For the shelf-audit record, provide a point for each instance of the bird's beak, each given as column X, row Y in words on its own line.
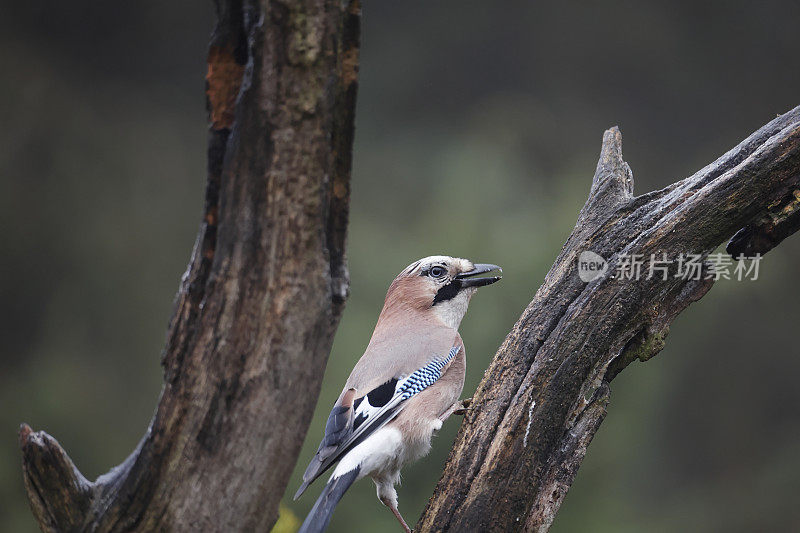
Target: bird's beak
column 468, row 279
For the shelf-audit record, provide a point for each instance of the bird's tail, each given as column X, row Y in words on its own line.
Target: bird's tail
column 317, row 520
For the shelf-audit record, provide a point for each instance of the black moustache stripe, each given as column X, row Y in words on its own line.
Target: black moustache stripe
column 447, row 292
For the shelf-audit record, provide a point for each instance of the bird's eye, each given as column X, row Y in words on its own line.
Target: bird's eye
column 437, row 272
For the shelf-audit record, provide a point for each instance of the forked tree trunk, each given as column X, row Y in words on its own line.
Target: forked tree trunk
column 545, row 393
column 257, row 308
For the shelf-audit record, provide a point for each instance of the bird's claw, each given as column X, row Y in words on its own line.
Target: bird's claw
column 464, row 409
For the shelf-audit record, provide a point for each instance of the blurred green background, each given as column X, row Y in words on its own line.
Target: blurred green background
column 478, row 130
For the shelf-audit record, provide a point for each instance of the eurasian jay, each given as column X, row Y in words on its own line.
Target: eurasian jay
column 404, row 386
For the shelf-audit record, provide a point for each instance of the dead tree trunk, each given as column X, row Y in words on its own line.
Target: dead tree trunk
column 256, row 311
column 545, row 393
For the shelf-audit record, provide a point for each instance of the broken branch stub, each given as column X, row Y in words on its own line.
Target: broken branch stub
column 545, row 393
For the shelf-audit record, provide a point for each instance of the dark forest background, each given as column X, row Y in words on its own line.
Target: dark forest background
column 478, row 130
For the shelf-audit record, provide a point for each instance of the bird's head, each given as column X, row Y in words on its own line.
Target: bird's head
column 441, row 285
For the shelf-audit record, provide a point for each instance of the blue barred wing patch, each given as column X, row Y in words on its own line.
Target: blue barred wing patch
column 424, row 377
column 349, row 426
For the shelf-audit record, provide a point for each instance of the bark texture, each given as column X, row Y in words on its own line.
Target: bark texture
column 257, row 308
column 545, row 393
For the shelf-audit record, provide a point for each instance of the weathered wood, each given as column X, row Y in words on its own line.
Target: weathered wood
column 256, row 311
column 545, row 393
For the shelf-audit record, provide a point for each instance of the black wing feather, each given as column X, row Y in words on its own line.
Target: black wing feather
column 337, row 427
column 380, row 396
column 349, row 426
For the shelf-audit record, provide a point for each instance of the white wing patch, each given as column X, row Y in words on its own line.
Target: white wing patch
column 373, row 411
column 369, row 418
column 376, row 401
